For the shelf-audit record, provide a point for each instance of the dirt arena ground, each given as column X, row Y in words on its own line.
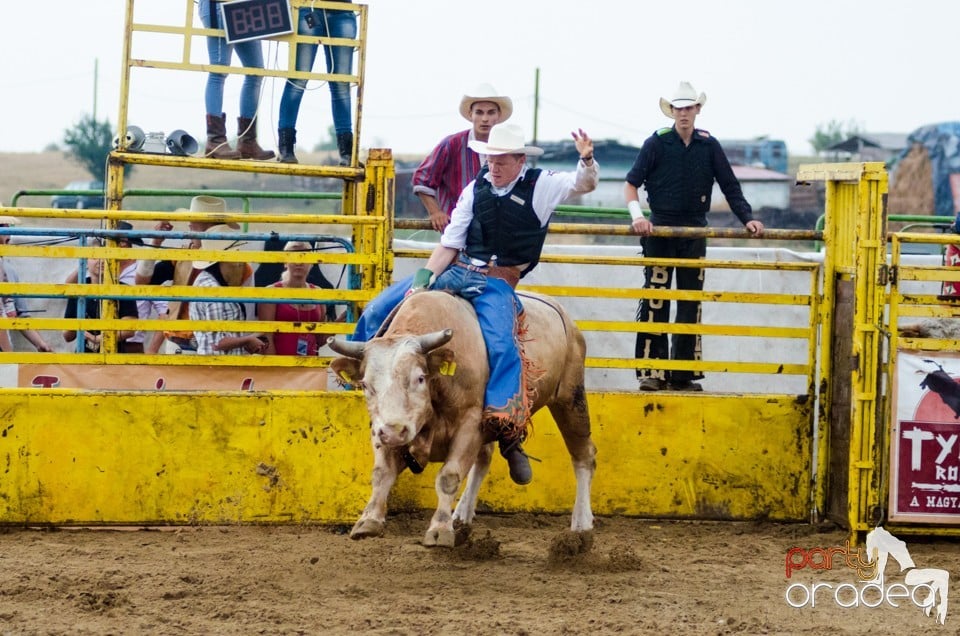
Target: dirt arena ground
column 514, row 576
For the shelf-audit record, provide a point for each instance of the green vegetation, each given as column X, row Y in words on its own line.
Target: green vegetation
column 833, row 132
column 89, row 142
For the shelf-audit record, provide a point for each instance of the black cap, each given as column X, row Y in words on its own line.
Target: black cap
column 123, row 225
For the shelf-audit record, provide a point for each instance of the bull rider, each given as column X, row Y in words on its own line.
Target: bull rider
column 495, row 236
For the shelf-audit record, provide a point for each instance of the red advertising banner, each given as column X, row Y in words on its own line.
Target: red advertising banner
column 925, row 439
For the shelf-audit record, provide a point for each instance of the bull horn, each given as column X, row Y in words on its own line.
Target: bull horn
column 347, row 348
column 430, row 341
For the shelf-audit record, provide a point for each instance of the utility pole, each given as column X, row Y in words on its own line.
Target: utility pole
column 536, row 102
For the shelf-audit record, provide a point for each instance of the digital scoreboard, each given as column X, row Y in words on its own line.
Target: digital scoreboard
column 255, row 19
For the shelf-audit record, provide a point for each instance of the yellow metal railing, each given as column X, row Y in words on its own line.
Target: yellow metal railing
column 852, row 346
column 806, row 330
column 327, row 229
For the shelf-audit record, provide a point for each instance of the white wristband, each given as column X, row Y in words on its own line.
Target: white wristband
column 634, row 208
column 145, row 268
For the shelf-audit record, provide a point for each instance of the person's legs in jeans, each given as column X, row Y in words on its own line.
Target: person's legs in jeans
column 220, row 54
column 497, row 308
column 506, row 409
column 688, row 346
column 293, row 89
column 340, row 24
column 251, row 56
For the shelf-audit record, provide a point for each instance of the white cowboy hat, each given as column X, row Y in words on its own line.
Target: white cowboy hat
column 212, row 205
column 219, row 245
column 505, row 139
column 684, row 96
column 9, row 220
column 486, row 93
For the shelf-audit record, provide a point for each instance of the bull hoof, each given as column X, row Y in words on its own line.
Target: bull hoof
column 440, row 537
column 461, row 532
column 365, row 528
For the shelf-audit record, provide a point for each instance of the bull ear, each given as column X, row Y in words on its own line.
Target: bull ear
column 442, row 362
column 347, row 348
column 430, row 341
column 347, row 370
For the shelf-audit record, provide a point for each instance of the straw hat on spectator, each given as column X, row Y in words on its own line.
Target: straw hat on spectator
column 211, row 205
column 218, row 245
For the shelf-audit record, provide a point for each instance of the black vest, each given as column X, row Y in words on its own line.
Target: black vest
column 682, row 180
column 506, row 227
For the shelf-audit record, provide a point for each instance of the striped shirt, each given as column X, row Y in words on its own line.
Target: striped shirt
column 214, row 310
column 448, row 169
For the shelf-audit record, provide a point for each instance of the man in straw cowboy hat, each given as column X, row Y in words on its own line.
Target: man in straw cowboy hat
column 15, row 306
column 452, row 164
column 677, row 167
column 494, row 238
column 214, row 273
column 160, row 272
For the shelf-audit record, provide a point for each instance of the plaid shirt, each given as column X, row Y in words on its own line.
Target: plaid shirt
column 212, row 310
column 447, row 170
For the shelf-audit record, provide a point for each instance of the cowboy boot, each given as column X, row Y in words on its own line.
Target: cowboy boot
column 285, row 143
column 345, row 147
column 247, row 144
column 520, row 471
column 217, row 146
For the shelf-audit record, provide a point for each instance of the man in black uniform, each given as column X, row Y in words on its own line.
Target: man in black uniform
column 677, row 167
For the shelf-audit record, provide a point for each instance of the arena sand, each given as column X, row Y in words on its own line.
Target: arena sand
column 517, row 574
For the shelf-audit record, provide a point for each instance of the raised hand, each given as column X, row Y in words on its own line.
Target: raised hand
column 583, row 142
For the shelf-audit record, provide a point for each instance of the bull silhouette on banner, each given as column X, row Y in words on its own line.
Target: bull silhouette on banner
column 942, row 384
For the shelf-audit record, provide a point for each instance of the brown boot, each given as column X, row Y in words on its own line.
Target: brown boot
column 217, row 146
column 247, row 144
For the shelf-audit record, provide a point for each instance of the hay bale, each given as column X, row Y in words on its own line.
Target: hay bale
column 911, row 185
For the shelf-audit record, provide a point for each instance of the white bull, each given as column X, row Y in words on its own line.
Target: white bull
column 424, row 382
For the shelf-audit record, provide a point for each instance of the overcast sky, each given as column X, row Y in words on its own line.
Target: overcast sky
column 768, row 68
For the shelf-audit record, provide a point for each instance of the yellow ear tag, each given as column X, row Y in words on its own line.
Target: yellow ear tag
column 448, row 368
column 345, row 376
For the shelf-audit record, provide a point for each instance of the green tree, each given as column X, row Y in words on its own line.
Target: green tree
column 833, row 132
column 89, row 142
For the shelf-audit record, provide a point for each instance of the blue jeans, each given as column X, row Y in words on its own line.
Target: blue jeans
column 456, row 280
column 221, row 53
column 335, row 24
column 379, row 308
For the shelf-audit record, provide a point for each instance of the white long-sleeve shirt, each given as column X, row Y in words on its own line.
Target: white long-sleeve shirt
column 552, row 189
